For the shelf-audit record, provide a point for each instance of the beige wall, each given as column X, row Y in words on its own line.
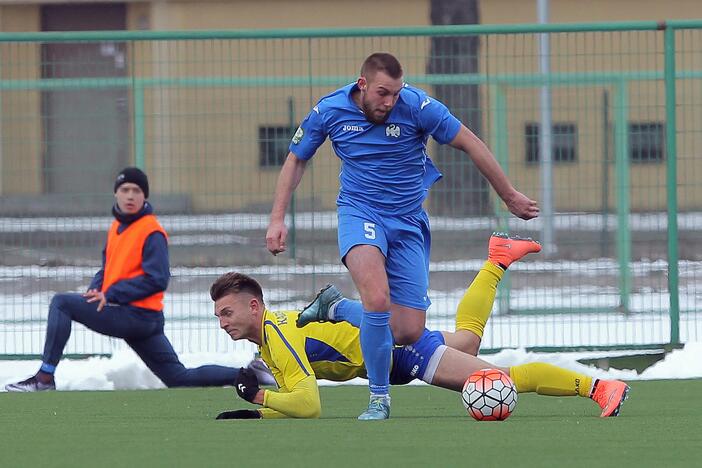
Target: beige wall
column 223, row 153
column 579, row 186
column 20, row 134
column 574, row 11
column 202, row 141
column 277, row 14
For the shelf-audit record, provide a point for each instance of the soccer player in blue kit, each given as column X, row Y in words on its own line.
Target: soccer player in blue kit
column 379, row 127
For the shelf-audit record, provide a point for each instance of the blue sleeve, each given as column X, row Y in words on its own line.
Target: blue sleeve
column 437, row 121
column 156, row 275
column 309, row 136
column 96, row 283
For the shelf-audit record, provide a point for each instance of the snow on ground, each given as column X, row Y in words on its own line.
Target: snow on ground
column 124, row 370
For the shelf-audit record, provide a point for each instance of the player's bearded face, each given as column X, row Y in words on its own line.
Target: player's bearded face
column 379, row 95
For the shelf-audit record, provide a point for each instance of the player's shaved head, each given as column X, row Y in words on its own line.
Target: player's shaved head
column 235, row 283
column 381, row 62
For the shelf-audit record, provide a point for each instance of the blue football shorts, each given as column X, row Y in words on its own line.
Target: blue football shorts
column 419, row 360
column 405, row 241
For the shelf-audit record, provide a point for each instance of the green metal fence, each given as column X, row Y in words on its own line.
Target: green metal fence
column 209, row 115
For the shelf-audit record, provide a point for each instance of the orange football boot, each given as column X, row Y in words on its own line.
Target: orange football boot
column 610, row 395
column 504, row 249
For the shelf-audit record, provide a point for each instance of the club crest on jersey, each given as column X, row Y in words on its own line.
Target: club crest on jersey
column 297, row 137
column 392, row 130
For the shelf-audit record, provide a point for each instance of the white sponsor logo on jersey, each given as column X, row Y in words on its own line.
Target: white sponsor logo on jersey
column 352, row 128
column 424, row 104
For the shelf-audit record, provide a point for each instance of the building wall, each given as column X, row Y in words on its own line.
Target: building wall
column 636, row 51
column 203, row 140
column 576, row 11
column 20, row 135
column 229, row 166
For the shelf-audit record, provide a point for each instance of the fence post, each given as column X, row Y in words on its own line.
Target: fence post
column 293, row 209
column 500, row 150
column 622, row 167
column 671, row 182
column 139, row 130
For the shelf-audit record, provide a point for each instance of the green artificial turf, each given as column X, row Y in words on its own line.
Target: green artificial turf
column 660, row 425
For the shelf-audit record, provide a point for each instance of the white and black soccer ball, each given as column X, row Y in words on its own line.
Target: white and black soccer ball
column 489, row 395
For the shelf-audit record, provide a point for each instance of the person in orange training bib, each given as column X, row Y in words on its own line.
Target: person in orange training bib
column 125, row 298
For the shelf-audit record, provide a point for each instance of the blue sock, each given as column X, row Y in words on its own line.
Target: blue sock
column 47, row 368
column 349, row 311
column 376, row 345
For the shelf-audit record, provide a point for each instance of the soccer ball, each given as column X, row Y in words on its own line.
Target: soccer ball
column 489, row 395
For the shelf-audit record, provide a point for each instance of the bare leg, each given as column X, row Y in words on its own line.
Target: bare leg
column 455, row 367
column 463, row 340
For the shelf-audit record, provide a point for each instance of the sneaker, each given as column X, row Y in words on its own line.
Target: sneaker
column 262, row 372
column 318, row 310
column 32, row 384
column 378, row 408
column 504, row 249
column 610, row 395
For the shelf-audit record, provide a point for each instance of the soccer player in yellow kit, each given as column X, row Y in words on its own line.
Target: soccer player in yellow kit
column 298, row 352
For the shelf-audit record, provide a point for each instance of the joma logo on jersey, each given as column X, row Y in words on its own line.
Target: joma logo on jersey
column 392, row 130
column 352, row 128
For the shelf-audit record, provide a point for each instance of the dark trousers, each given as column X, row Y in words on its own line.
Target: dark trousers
column 141, row 329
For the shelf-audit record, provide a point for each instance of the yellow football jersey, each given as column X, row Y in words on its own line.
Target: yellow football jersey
column 330, row 351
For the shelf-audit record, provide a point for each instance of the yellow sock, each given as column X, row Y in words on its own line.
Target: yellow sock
column 475, row 306
column 547, row 379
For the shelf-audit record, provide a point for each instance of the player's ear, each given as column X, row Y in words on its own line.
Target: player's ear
column 362, row 83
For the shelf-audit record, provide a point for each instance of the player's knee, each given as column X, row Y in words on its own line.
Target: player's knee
column 472, row 348
column 60, row 301
column 407, row 336
column 466, row 341
column 376, row 301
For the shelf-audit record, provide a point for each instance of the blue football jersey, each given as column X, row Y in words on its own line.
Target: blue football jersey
column 384, row 167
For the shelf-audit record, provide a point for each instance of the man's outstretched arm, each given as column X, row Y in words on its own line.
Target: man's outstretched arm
column 519, row 204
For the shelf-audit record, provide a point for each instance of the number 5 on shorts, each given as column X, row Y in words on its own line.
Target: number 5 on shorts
column 369, row 228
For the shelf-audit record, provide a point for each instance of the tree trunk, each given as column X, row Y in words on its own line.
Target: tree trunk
column 463, row 191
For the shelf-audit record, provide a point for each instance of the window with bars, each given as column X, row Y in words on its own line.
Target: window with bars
column 273, row 143
column 646, row 142
column 564, row 142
